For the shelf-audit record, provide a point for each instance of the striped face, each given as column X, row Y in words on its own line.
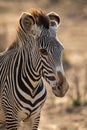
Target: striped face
column 50, row 50
column 46, row 51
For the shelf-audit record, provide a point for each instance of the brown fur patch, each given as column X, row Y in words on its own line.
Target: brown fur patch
column 40, row 17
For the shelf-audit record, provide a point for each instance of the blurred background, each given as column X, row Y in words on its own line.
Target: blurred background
column 69, row 112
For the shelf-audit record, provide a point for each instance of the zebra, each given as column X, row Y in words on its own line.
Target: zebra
column 35, row 54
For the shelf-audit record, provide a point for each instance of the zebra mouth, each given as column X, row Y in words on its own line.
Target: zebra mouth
column 60, row 94
column 57, row 92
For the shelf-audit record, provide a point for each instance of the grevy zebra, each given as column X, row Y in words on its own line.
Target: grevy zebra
column 35, row 53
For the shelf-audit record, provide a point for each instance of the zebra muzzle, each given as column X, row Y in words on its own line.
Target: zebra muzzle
column 61, row 86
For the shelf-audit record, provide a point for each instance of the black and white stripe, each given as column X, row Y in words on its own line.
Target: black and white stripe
column 21, row 69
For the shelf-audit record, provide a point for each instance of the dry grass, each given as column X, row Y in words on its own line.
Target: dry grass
column 65, row 113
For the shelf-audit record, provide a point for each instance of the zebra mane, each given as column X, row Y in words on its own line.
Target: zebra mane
column 13, row 45
column 40, row 17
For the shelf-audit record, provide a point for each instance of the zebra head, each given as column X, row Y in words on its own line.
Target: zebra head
column 46, row 50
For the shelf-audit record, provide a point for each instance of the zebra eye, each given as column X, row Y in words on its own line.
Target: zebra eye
column 44, row 51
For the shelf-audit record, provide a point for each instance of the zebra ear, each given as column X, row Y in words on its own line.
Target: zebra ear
column 54, row 19
column 26, row 21
column 54, row 22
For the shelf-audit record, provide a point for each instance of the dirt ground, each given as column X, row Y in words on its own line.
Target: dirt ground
column 69, row 112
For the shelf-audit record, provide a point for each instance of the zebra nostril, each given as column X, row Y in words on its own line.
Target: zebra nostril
column 59, row 87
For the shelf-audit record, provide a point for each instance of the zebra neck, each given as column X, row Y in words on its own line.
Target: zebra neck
column 28, row 73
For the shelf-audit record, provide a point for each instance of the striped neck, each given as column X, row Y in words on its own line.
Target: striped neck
column 33, row 78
